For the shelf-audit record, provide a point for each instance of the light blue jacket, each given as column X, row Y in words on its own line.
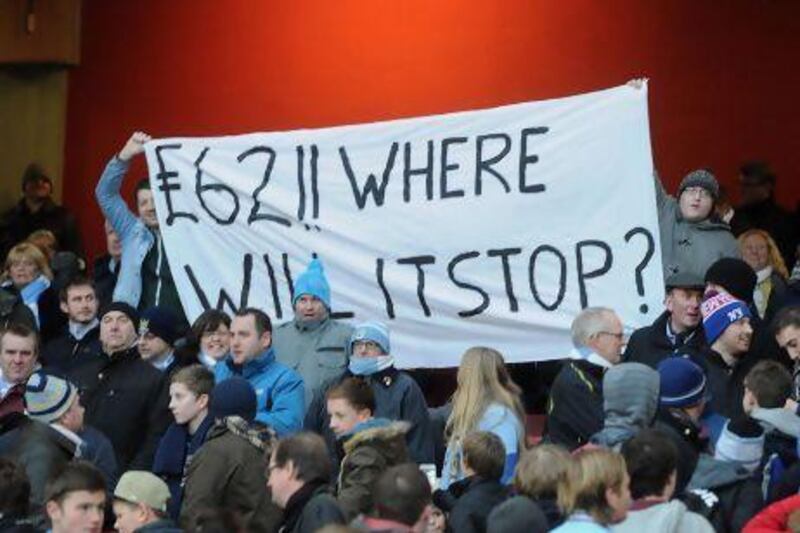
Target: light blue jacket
column 279, row 390
column 135, row 238
column 501, row 421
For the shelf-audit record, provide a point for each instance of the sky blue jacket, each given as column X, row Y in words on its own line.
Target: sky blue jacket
column 279, row 390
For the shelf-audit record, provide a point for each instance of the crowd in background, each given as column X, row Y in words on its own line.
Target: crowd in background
column 117, row 414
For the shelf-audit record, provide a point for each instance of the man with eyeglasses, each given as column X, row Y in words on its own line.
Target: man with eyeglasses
column 692, row 236
column 397, row 395
column 575, row 409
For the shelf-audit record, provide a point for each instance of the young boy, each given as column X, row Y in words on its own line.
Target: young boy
column 368, row 445
column 76, row 499
column 766, row 388
column 470, row 500
column 189, row 393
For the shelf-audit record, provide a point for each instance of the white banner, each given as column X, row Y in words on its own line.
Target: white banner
column 492, row 227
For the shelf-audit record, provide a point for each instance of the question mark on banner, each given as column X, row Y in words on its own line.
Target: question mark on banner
column 651, row 245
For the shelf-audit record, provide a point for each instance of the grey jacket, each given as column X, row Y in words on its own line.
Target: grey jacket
column 630, row 401
column 667, row 517
column 318, row 353
column 690, row 246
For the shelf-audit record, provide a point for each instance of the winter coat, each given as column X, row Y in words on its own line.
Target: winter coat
column 39, row 449
column 64, row 353
column 651, row 345
column 279, row 390
column 501, row 421
column 173, row 456
column 126, row 399
column 311, row 508
column 160, row 526
column 98, row 450
column 725, row 383
column 19, row 222
column 688, row 440
column 468, row 503
column 49, row 320
column 663, row 517
column 630, row 401
column 775, row 518
column 690, row 246
column 13, row 401
column 14, row 310
column 397, row 397
column 228, row 471
column 368, row 450
column 575, row 407
column 319, row 353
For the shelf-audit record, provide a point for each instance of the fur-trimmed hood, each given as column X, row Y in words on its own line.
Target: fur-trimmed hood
column 378, row 432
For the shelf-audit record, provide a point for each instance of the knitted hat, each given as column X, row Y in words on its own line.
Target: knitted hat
column 139, row 486
column 719, row 312
column 48, row 397
column 683, row 382
column 123, row 308
column 684, row 280
column 161, row 322
column 733, row 275
column 742, row 442
column 374, row 331
column 700, row 178
column 313, row 282
column 233, row 397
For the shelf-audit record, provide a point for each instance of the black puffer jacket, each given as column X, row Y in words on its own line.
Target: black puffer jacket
column 575, row 409
column 650, row 344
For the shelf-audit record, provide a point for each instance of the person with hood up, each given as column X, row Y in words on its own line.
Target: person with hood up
column 630, row 401
column 228, row 470
column 313, row 344
column 397, row 395
column 692, row 237
column 651, row 461
column 367, row 445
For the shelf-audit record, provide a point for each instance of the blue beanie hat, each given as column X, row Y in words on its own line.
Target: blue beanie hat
column 233, row 397
column 374, row 331
column 720, row 311
column 313, row 282
column 683, row 382
column 161, row 322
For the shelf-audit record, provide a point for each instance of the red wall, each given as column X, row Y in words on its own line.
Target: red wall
column 724, row 75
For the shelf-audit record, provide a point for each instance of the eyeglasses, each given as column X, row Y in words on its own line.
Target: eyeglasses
column 618, row 336
column 366, row 345
column 699, row 191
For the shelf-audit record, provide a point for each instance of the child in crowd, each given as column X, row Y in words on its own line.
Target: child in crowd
column 189, row 393
column 485, row 400
column 470, row 500
column 596, row 494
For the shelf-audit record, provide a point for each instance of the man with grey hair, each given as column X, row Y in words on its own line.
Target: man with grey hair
column 575, row 409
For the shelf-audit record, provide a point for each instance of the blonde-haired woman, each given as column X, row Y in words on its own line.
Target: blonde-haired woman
column 27, row 295
column 597, row 492
column 485, row 400
column 762, row 254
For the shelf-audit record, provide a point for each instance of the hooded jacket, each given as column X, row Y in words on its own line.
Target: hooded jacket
column 665, row 517
column 630, row 401
column 690, row 246
column 318, row 352
column 368, row 450
column 279, row 390
column 229, row 472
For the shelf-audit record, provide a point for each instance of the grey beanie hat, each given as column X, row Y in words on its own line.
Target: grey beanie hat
column 700, row 178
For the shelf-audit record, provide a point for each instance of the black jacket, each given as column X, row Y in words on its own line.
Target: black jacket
column 688, row 440
column 65, row 353
column 126, row 399
column 50, row 318
column 19, row 222
column 726, row 383
column 311, row 508
column 575, row 409
column 469, row 502
column 650, row 344
column 105, row 279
